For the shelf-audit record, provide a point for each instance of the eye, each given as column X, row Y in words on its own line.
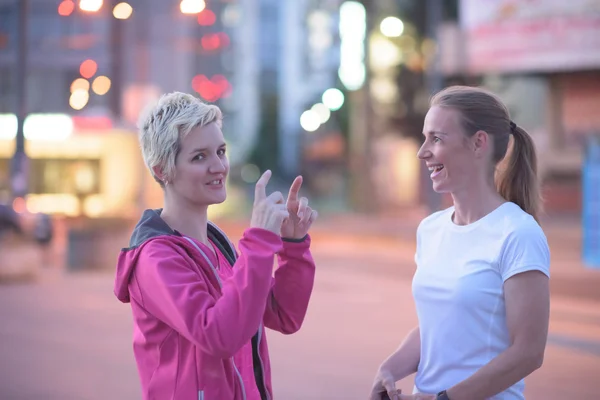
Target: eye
column 198, row 157
column 436, row 139
column 221, row 152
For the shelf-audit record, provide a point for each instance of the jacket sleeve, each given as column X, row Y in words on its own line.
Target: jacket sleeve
column 177, row 294
column 292, row 287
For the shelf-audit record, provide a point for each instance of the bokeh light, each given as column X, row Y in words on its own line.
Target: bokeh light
column 310, row 121
column 333, row 98
column 79, row 99
column 322, row 111
column 80, row 83
column 391, row 27
column 122, row 11
column 192, row 6
column 88, row 68
column 207, row 18
column 101, row 85
column 250, row 173
column 90, row 5
column 66, row 8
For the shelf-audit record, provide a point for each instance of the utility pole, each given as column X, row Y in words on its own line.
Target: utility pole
column 116, row 64
column 362, row 130
column 435, row 83
column 19, row 176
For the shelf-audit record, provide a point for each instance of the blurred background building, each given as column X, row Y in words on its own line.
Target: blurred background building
column 336, row 90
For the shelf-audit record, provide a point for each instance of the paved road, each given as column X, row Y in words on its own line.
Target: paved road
column 67, row 338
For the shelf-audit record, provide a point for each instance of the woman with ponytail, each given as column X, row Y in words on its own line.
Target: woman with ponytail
column 481, row 286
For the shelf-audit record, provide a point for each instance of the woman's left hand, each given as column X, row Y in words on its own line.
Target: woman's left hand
column 301, row 217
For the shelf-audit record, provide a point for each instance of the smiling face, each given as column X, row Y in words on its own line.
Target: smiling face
column 453, row 158
column 201, row 167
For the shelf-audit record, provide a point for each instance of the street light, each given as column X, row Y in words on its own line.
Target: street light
column 322, row 111
column 19, row 169
column 80, row 83
column 79, row 98
column 192, row 6
column 88, row 68
column 310, row 121
column 122, row 11
column 66, row 8
column 90, row 5
column 391, row 27
column 333, row 98
column 101, row 85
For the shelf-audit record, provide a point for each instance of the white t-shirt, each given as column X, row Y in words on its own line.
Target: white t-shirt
column 459, row 292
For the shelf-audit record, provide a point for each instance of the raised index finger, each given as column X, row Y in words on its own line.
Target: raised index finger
column 295, row 189
column 260, row 191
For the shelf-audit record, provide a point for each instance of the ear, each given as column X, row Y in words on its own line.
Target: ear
column 480, row 142
column 158, row 172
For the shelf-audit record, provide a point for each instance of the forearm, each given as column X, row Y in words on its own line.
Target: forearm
column 405, row 360
column 292, row 288
column 498, row 375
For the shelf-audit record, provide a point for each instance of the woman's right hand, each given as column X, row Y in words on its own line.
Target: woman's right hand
column 268, row 211
column 384, row 383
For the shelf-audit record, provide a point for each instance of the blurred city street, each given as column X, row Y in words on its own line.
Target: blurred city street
column 66, row 337
column 336, row 91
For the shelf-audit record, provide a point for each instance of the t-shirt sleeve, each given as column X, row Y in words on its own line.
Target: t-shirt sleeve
column 525, row 249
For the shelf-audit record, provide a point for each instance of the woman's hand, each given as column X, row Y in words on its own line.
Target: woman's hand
column 301, row 216
column 268, row 212
column 384, row 383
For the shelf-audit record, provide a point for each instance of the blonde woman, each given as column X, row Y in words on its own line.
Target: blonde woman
column 481, row 286
column 200, row 307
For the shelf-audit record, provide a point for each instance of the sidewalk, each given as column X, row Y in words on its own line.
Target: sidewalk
column 569, row 276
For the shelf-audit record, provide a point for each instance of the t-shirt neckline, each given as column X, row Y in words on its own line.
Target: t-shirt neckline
column 475, row 224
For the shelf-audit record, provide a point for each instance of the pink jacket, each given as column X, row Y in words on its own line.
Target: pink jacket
column 188, row 325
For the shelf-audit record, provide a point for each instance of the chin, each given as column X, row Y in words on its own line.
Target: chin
column 441, row 189
column 220, row 199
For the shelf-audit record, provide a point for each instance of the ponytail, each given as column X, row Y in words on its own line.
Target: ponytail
column 519, row 182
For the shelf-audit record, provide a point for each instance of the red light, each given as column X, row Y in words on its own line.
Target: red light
column 224, row 39
column 81, row 123
column 66, row 7
column 211, row 89
column 206, row 17
column 88, row 68
column 223, row 85
column 19, row 205
column 197, row 82
column 211, row 41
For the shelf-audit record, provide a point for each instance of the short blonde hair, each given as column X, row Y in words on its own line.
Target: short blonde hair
column 164, row 125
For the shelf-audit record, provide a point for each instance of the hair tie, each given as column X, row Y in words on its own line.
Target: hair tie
column 513, row 127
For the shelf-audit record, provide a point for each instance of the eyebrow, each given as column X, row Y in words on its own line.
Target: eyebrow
column 205, row 149
column 435, row 133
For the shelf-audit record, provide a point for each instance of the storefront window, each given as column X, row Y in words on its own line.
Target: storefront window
column 55, row 176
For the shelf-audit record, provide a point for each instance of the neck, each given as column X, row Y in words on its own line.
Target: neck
column 186, row 218
column 475, row 202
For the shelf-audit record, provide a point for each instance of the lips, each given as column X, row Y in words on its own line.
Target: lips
column 215, row 182
column 435, row 170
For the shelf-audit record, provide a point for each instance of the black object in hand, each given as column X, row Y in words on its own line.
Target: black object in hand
column 385, row 396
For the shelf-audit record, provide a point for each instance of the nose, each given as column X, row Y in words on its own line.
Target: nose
column 218, row 166
column 424, row 153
